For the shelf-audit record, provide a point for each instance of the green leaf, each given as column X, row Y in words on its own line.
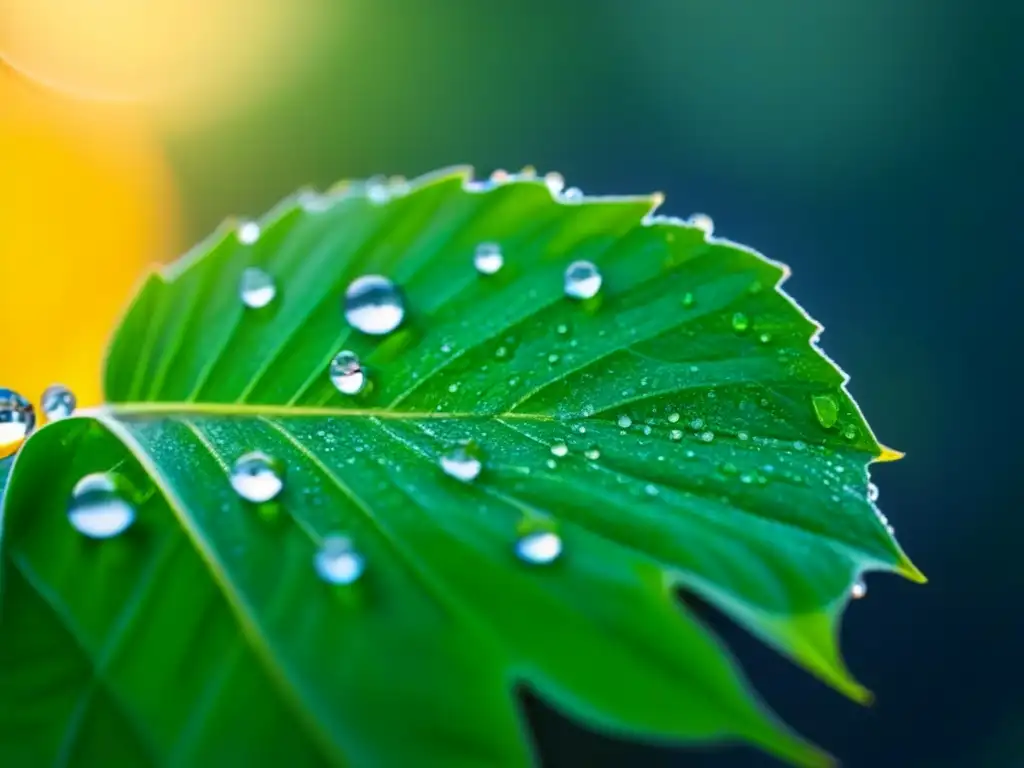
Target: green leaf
column 668, row 431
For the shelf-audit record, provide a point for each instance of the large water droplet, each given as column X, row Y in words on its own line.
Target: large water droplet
column 338, row 562
column 560, row 449
column 17, row 417
column 582, row 280
column 257, row 477
column 624, row 422
column 539, row 548
column 462, row 462
column 859, row 589
column 593, row 453
column 100, row 507
column 825, row 409
column 488, row 258
column 256, row 288
column 373, row 304
column 58, row 402
column 702, row 222
column 347, row 373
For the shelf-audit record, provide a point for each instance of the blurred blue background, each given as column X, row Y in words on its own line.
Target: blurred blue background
column 873, row 145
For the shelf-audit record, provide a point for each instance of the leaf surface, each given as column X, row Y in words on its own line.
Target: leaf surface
column 679, row 430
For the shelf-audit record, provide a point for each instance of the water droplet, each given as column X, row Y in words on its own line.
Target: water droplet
column 337, row 561
column 688, row 299
column 858, row 590
column 562, row 329
column 58, row 402
column 625, row 422
column 872, row 492
column 651, row 489
column 347, row 373
column 673, row 417
column 462, row 462
column 740, row 322
column 539, row 548
column 765, row 338
column 728, row 468
column 17, row 417
column 248, row 232
column 501, row 353
column 488, row 259
column 559, row 449
column 826, row 409
column 374, row 305
column 707, row 436
column 500, row 176
column 256, row 288
column 850, row 432
column 582, row 280
column 553, row 358
column 675, row 435
column 555, row 182
column 702, row 222
column 697, row 424
column 572, row 195
column 257, row 477
column 453, row 387
column 800, row 445
column 743, row 436
column 593, row 453
column 100, row 506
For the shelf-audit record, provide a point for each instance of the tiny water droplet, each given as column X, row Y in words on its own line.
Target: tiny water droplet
column 256, row 288
column 688, row 299
column 850, row 432
column 800, row 445
column 462, row 462
column 740, row 322
column 553, row 358
column 555, row 182
column 858, row 590
column 765, row 338
column 337, row 561
column 707, row 436
column 539, row 548
column 488, row 258
column 826, row 409
column 697, row 424
column 572, row 195
column 256, row 477
column 17, row 418
column 58, row 402
column 673, row 417
column 453, row 387
column 651, row 489
column 728, row 468
column 872, row 492
column 675, row 435
column 501, row 353
column 500, row 176
column 582, row 280
column 559, row 449
column 248, row 232
column 593, row 453
column 347, row 373
column 625, row 422
column 374, row 305
column 100, row 506
column 702, row 222
column 562, row 329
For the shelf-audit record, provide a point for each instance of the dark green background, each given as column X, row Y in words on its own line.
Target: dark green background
column 873, row 145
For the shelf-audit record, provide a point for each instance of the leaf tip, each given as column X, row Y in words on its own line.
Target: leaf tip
column 888, row 454
column 909, row 571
